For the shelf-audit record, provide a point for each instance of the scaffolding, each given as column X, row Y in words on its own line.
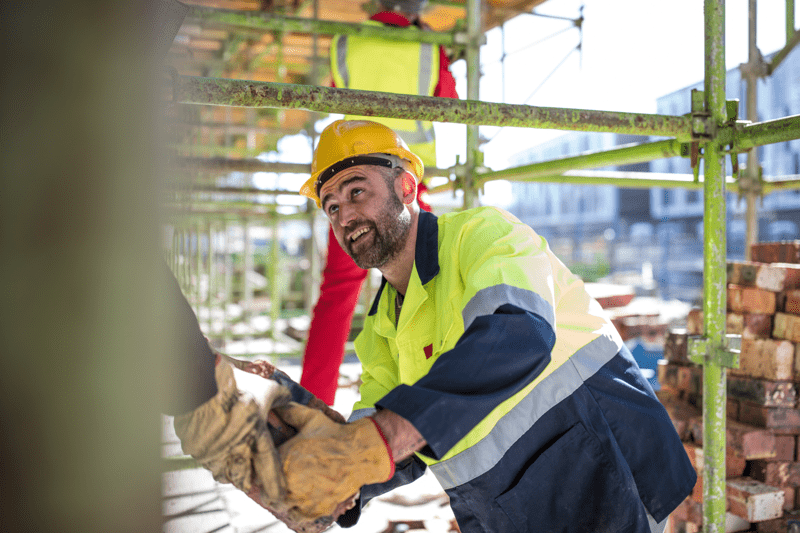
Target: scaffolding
column 712, row 132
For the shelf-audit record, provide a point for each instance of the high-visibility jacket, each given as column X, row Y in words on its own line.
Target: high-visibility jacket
column 535, row 414
column 373, row 64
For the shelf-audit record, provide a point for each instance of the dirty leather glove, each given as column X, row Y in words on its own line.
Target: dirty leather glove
column 326, row 463
column 229, row 435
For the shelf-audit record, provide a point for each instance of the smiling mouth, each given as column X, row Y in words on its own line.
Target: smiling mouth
column 358, row 233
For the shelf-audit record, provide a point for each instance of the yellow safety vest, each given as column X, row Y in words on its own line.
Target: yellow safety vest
column 485, row 255
column 371, row 64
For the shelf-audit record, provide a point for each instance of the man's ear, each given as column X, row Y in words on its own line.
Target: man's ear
column 408, row 184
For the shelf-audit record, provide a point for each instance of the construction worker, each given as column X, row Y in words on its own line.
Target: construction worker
column 483, row 358
column 360, row 63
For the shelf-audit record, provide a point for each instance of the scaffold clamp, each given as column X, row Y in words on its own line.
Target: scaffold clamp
column 728, row 355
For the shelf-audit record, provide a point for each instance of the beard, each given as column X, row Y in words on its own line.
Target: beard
column 389, row 235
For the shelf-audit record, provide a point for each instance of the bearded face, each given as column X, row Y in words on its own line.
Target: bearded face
column 373, row 243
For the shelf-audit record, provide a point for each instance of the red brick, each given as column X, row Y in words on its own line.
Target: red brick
column 667, row 375
column 750, row 300
column 675, row 346
column 774, row 277
column 690, row 379
column 732, row 409
column 775, row 473
column 694, row 322
column 784, row 447
column 776, row 252
column 778, row 525
column 791, row 302
column 763, row 392
column 769, row 417
column 754, row 501
column 689, row 511
column 743, row 440
column 680, row 412
column 789, row 496
column 749, row 325
column 787, row 327
column 766, row 359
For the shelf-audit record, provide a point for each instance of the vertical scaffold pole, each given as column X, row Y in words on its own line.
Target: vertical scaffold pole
column 714, row 276
column 274, row 272
column 789, row 19
column 473, row 93
column 752, row 172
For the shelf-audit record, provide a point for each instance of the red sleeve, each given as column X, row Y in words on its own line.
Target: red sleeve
column 446, row 87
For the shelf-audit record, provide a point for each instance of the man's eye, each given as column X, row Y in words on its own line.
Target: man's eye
column 333, row 209
column 357, row 191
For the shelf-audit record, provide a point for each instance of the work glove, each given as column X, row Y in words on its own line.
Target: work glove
column 229, row 434
column 327, row 463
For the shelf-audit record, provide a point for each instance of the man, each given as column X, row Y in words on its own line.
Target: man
column 359, row 63
column 484, row 358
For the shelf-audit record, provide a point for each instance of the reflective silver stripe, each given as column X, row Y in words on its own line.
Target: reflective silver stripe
column 566, row 379
column 361, row 413
column 341, row 60
column 425, row 68
column 486, row 301
column 656, row 527
column 420, row 136
column 423, row 135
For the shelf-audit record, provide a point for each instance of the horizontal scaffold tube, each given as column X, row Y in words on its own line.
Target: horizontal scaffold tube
column 625, row 155
column 243, row 93
column 224, row 164
column 761, row 133
column 266, row 22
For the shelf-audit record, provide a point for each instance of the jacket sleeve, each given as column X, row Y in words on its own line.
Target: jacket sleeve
column 446, row 86
column 508, row 311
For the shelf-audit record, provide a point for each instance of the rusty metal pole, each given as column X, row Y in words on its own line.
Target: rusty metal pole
column 714, row 276
column 473, row 59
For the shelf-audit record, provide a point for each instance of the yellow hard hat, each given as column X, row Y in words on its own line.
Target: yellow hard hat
column 347, row 143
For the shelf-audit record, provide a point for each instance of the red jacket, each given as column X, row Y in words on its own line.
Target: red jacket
column 342, row 278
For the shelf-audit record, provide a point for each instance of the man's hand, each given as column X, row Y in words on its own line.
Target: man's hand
column 327, row 463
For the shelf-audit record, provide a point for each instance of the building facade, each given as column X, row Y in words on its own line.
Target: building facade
column 660, row 230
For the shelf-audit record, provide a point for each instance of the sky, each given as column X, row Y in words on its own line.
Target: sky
column 633, row 51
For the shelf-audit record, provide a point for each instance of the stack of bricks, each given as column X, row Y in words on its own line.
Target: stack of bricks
column 763, row 413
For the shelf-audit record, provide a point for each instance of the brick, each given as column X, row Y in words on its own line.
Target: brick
column 769, row 417
column 749, row 325
column 748, row 441
column 742, row 440
column 784, row 448
column 680, row 412
column 763, row 392
column 750, row 300
column 694, row 322
column 675, row 346
column 789, row 497
column 690, row 379
column 735, row 465
column 775, row 473
column 787, row 327
column 667, row 375
column 766, row 359
column 689, row 511
column 774, row 277
column 791, row 302
column 732, row 409
column 779, row 525
column 776, row 252
column 754, row 501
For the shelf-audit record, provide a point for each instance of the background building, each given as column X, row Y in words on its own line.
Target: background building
column 642, row 235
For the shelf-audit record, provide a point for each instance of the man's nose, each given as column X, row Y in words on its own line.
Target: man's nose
column 347, row 214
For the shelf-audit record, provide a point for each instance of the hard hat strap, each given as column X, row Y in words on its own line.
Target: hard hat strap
column 382, row 160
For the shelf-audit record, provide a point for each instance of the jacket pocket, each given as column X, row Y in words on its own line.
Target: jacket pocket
column 572, row 486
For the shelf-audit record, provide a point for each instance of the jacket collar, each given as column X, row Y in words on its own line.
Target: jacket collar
column 426, row 253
